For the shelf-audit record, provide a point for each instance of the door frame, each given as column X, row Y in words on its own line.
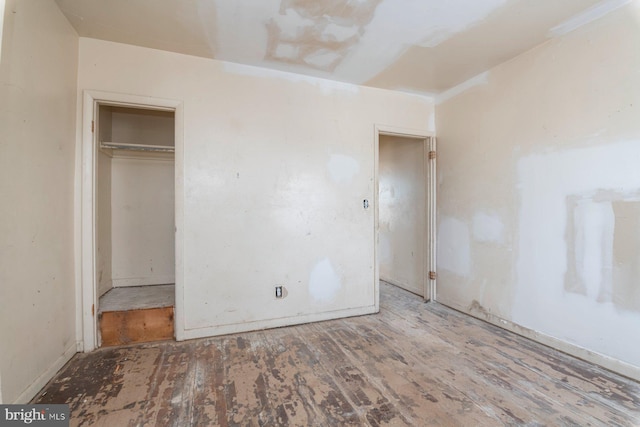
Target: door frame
column 86, row 257
column 429, row 179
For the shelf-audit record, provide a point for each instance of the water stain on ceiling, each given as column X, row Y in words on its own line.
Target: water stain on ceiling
column 420, row 46
column 317, row 34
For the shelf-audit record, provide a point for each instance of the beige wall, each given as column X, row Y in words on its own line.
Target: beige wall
column 142, row 218
column 276, row 167
column 37, row 150
column 402, row 215
column 539, row 188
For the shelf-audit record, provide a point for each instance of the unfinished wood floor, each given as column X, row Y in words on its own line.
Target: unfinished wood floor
column 413, row 364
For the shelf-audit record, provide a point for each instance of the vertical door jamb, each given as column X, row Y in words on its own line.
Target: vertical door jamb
column 431, row 187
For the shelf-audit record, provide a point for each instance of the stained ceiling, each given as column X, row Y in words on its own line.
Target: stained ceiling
column 419, row 46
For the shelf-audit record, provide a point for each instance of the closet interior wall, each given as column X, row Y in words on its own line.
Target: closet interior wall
column 135, row 212
column 402, row 212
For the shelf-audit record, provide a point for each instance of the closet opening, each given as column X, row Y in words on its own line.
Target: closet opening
column 405, row 210
column 402, row 214
column 135, row 224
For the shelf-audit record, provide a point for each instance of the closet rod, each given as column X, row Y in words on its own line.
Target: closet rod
column 137, row 147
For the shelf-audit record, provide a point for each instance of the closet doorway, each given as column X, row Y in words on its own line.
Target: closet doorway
column 405, row 210
column 136, row 222
column 129, row 241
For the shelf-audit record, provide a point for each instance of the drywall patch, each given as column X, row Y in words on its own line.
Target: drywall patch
column 546, row 181
column 454, row 247
column 322, row 58
column 324, row 282
column 343, row 168
column 322, row 32
column 589, row 232
column 488, row 228
column 603, row 253
column 626, row 255
column 356, row 32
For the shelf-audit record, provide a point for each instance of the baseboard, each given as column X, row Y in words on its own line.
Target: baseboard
column 143, row 281
column 402, row 285
column 103, row 288
column 602, row 360
column 188, row 334
column 42, row 380
column 392, row 281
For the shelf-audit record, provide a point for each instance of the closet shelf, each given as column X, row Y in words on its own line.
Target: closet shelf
column 136, row 147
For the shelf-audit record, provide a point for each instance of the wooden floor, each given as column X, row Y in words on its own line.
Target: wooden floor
column 413, row 364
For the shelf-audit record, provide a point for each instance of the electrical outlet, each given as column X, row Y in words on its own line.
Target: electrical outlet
column 279, row 292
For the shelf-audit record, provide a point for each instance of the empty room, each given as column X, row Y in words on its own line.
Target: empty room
column 320, row 213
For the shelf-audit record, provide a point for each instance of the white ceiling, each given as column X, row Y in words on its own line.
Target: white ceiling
column 421, row 46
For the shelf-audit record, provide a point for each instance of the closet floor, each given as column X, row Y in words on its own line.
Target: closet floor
column 136, row 315
column 137, row 298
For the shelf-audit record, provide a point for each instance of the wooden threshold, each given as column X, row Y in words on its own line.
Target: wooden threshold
column 136, row 326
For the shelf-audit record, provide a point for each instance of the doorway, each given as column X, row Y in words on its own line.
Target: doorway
column 131, row 213
column 135, row 216
column 405, row 220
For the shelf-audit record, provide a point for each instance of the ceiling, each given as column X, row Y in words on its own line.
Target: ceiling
column 419, row 46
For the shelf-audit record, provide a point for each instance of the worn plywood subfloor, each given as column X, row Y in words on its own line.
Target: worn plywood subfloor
column 137, row 298
column 413, row 364
column 136, row 326
column 136, row 314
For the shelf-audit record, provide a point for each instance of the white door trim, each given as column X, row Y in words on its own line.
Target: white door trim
column 86, row 257
column 429, row 286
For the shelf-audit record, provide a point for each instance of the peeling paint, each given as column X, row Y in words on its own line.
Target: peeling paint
column 324, row 282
